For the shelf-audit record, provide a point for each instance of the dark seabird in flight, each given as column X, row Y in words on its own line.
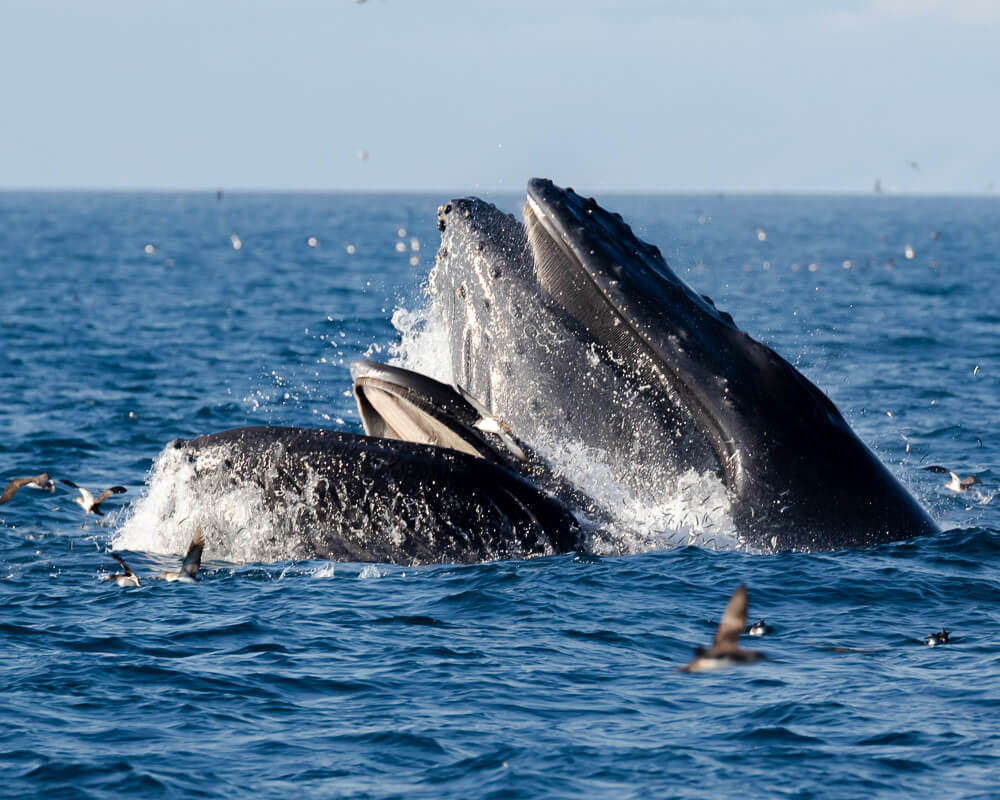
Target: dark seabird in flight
column 86, row 500
column 725, row 650
column 123, row 579
column 192, row 561
column 956, row 484
column 42, row 481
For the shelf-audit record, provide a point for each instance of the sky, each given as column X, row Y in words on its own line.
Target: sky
column 458, row 95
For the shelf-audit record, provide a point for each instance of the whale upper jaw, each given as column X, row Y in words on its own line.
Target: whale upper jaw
column 621, row 289
column 798, row 476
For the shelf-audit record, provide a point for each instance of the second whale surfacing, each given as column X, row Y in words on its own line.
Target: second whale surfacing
column 340, row 496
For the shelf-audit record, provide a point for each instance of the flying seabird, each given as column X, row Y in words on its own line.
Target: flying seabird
column 123, row 579
column 725, row 650
column 956, row 484
column 86, row 500
column 42, row 481
column 192, row 561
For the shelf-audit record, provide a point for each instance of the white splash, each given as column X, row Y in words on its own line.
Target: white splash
column 694, row 510
column 325, row 571
column 424, row 344
column 369, row 571
column 235, row 522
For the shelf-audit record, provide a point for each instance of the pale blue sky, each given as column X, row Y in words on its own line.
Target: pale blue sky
column 450, row 95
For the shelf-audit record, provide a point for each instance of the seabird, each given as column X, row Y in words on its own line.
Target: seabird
column 42, row 481
column 192, row 561
column 956, row 484
column 123, row 579
column 937, row 638
column 759, row 628
column 86, row 500
column 725, row 650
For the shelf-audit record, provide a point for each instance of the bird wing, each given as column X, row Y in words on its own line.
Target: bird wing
column 192, row 561
column 936, row 468
column 107, row 493
column 734, row 621
column 11, row 489
column 124, row 566
column 68, row 482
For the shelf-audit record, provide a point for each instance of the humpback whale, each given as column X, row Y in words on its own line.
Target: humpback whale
column 577, row 311
column 567, row 327
column 348, row 497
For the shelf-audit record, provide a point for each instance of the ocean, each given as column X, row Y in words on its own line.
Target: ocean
column 131, row 319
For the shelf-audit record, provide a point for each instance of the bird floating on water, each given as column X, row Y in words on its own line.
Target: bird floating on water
column 123, row 579
column 188, row 572
column 759, row 628
column 934, row 639
column 43, row 482
column 88, row 502
column 725, row 651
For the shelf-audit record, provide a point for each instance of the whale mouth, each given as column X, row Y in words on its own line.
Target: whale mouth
column 397, row 403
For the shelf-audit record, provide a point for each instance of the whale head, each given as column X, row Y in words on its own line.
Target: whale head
column 797, row 475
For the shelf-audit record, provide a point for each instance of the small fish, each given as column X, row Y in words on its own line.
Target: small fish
column 759, row 628
column 88, row 502
column 725, row 650
column 934, row 639
column 42, row 481
column 123, row 579
column 192, row 561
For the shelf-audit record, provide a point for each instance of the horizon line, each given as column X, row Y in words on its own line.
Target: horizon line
column 455, row 192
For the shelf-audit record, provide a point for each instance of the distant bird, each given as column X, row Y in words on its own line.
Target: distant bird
column 86, row 500
column 935, row 639
column 956, row 484
column 42, row 481
column 123, row 579
column 759, row 628
column 192, row 561
column 725, row 650
column 878, row 186
column 913, row 165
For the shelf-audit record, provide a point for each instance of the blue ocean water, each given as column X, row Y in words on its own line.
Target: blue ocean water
column 131, row 319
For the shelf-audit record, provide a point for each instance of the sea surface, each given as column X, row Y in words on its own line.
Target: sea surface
column 127, row 320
